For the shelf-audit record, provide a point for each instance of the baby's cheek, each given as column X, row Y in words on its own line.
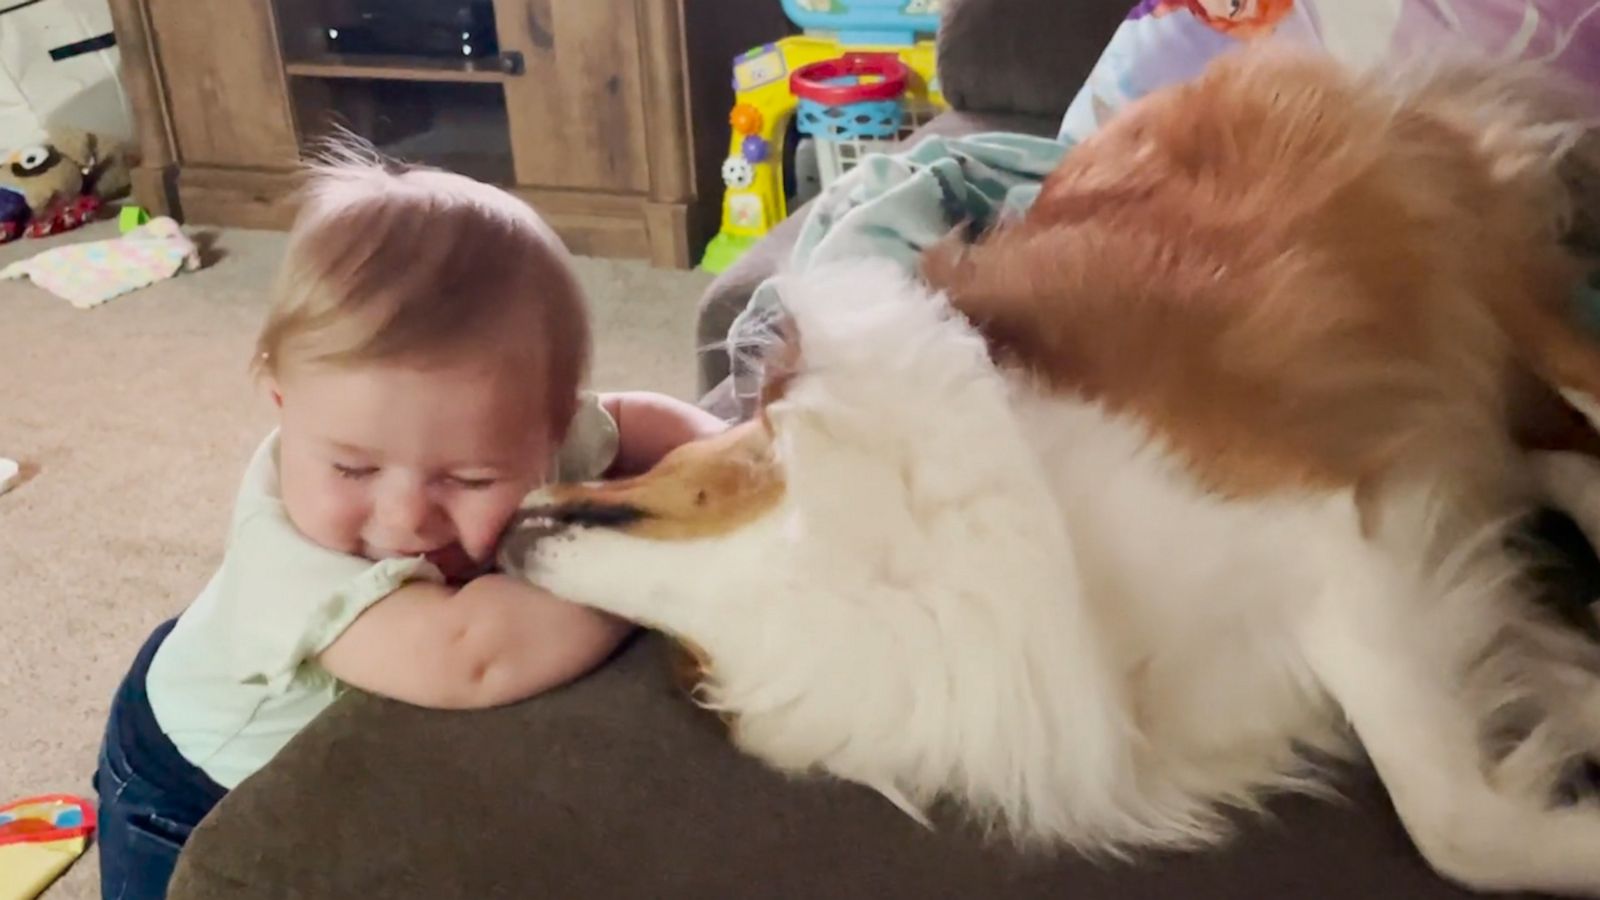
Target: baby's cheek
column 480, row 522
column 328, row 510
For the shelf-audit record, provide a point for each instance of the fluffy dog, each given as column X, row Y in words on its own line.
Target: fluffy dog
column 1197, row 474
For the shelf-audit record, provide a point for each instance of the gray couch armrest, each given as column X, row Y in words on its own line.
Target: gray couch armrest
column 617, row 787
column 730, row 292
column 1022, row 56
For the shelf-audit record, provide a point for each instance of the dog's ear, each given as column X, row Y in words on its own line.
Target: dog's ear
column 1535, row 129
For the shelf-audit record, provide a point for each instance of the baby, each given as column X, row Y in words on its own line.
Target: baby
column 424, row 349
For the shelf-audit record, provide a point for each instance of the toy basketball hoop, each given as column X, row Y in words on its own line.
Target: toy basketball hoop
column 858, row 95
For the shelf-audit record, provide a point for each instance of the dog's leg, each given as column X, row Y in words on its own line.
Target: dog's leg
column 1557, row 350
column 1571, row 483
column 1396, row 652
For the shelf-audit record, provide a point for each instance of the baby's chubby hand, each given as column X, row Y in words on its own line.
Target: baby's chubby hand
column 650, row 425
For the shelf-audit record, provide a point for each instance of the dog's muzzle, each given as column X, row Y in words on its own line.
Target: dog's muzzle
column 542, row 519
column 549, row 520
column 534, row 525
column 519, row 550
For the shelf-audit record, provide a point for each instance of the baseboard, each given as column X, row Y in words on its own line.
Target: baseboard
column 592, row 224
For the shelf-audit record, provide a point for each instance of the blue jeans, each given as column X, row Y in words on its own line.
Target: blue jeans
column 150, row 796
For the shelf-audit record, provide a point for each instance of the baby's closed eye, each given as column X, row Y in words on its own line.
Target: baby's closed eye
column 354, row 473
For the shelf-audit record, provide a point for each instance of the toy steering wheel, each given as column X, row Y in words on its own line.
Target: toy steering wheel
column 819, row 81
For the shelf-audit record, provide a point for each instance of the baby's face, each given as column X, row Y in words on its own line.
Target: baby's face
column 388, row 461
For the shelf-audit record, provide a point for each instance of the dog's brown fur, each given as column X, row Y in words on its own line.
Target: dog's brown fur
column 1298, row 277
column 703, row 489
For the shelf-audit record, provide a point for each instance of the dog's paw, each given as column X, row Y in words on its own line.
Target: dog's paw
column 1570, row 482
column 1579, row 783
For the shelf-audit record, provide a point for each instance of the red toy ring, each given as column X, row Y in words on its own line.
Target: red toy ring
column 810, row 82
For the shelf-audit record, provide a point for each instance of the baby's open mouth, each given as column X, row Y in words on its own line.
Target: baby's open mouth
column 452, row 561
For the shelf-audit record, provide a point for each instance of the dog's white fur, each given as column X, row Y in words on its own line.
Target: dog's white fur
column 976, row 589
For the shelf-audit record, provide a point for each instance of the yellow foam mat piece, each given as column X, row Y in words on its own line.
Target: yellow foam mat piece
column 27, row 869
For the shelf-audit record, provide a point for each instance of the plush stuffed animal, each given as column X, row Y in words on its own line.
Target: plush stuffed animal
column 59, row 185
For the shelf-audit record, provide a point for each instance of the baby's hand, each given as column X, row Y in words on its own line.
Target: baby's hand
column 649, row 426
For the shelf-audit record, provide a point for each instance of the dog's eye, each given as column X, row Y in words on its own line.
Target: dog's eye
column 1234, row 6
column 700, row 498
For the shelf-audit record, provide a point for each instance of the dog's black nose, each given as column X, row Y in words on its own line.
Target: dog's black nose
column 600, row 515
column 584, row 515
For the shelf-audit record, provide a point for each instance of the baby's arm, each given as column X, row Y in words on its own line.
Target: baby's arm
column 650, row 425
column 498, row 639
column 494, row 641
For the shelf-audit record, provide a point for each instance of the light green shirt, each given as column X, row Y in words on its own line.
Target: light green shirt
column 238, row 677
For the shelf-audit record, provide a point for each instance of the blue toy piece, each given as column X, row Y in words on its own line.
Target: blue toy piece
column 886, row 23
column 850, row 121
column 754, row 149
column 14, row 214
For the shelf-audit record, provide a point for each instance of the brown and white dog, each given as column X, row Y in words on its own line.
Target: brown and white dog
column 1198, row 471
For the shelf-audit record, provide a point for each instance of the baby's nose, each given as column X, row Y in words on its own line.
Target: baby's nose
column 407, row 512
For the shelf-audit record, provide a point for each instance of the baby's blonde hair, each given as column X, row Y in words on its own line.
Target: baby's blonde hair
column 399, row 264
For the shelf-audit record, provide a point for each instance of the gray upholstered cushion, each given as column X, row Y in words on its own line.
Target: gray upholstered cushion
column 1025, row 57
column 616, row 787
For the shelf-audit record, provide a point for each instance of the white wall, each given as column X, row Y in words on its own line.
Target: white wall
column 84, row 91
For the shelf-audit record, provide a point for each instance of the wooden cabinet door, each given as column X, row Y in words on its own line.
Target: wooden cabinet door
column 577, row 111
column 224, row 83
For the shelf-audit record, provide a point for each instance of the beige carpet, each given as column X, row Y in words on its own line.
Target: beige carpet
column 134, row 420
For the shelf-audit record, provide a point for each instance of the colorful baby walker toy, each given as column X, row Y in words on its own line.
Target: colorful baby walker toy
column 861, row 78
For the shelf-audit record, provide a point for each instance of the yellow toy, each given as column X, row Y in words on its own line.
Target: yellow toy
column 39, row 838
column 754, row 200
